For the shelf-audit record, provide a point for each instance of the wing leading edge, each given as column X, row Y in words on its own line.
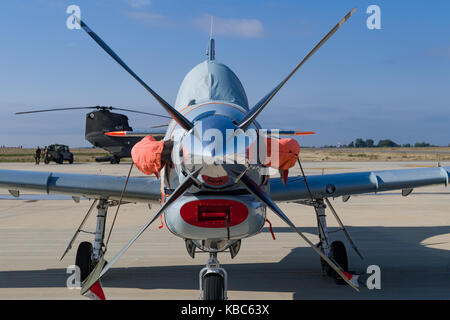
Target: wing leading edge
column 85, row 185
column 335, row 185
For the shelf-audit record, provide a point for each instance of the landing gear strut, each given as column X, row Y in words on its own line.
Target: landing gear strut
column 335, row 250
column 213, row 280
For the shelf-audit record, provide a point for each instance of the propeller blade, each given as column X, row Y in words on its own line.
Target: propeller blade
column 254, row 112
column 256, row 190
column 178, row 117
column 91, row 280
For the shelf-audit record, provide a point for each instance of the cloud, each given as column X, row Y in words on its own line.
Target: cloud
column 243, row 28
column 149, row 18
column 137, row 4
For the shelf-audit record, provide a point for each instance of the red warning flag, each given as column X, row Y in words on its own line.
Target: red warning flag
column 353, row 278
column 95, row 292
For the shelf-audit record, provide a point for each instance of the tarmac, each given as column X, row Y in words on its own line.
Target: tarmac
column 407, row 237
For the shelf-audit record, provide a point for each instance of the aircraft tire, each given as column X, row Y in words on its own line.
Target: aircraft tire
column 339, row 254
column 83, row 259
column 213, row 286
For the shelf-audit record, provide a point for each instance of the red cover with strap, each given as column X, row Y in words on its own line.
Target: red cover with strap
column 288, row 149
column 146, row 155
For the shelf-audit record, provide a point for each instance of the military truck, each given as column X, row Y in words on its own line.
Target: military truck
column 58, row 153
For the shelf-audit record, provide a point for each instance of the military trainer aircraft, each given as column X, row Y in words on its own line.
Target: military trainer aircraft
column 208, row 200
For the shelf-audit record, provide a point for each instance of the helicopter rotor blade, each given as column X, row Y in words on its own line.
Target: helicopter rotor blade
column 55, row 109
column 142, row 112
column 177, row 116
column 95, row 107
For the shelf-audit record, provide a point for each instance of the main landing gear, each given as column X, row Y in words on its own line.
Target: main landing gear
column 335, row 250
column 89, row 254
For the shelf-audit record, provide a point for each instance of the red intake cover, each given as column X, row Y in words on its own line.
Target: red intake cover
column 214, row 213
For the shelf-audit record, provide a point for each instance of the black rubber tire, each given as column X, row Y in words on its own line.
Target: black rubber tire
column 71, row 160
column 339, row 254
column 213, row 287
column 83, row 259
column 46, row 160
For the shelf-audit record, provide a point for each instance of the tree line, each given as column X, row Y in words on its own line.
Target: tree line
column 383, row 143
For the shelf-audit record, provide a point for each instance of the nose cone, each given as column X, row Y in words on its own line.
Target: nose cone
column 214, row 146
column 212, row 141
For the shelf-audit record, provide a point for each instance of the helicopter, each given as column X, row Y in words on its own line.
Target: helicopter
column 101, row 121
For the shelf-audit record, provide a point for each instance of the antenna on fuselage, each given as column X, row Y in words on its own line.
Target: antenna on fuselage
column 211, row 52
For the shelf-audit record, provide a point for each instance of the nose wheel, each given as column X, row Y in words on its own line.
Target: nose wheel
column 213, row 280
column 213, row 287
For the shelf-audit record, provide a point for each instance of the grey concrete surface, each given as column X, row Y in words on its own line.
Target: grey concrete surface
column 409, row 238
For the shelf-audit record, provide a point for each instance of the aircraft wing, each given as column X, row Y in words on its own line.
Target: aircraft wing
column 343, row 184
column 139, row 189
column 145, row 189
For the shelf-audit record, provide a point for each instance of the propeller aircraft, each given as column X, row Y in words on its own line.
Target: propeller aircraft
column 214, row 198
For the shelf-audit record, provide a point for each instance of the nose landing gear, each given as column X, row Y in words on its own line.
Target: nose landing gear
column 213, row 280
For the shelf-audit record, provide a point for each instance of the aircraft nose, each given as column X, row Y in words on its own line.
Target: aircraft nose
column 214, row 147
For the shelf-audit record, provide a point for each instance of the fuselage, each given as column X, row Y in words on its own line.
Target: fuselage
column 101, row 121
column 216, row 212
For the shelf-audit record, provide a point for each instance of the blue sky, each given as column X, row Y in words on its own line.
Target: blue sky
column 388, row 83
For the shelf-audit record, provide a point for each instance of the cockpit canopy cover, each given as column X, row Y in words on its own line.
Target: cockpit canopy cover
column 211, row 81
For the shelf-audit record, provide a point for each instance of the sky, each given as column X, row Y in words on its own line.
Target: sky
column 388, row 83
